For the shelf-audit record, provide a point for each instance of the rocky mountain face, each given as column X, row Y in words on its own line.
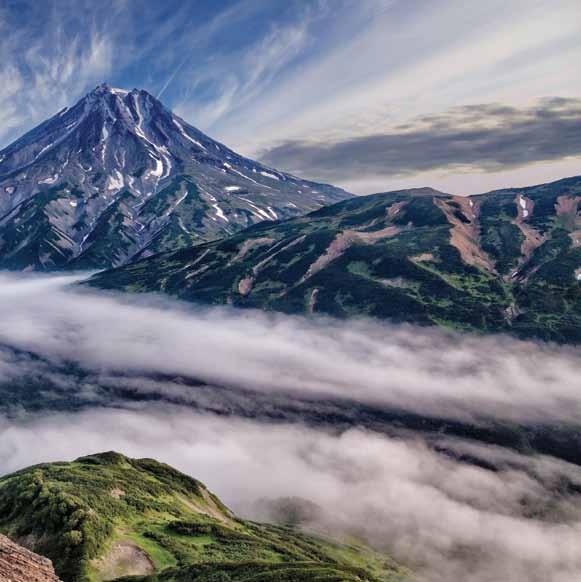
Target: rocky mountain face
column 107, row 516
column 119, row 176
column 17, row 564
column 508, row 260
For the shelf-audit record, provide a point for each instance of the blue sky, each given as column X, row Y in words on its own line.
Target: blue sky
column 368, row 94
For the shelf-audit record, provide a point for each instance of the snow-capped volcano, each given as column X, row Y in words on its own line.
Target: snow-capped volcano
column 119, row 176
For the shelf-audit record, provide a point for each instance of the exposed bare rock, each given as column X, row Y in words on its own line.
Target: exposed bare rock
column 399, row 282
column 209, row 508
column 394, row 209
column 17, row 564
column 465, row 236
column 245, row 285
column 195, row 262
column 532, row 237
column 248, row 245
column 343, row 241
column 569, row 213
column 196, row 272
column 495, row 261
column 375, row 235
column 117, row 493
column 313, row 300
column 124, row 558
column 276, row 251
column 568, row 207
column 422, row 258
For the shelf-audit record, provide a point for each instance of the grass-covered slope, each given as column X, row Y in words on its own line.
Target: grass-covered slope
column 508, row 260
column 106, row 516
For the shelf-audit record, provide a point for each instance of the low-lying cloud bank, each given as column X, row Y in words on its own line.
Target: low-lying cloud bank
column 51, row 331
column 447, row 519
column 487, row 138
column 452, row 508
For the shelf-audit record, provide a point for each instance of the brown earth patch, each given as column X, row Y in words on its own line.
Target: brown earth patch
column 117, row 493
column 248, row 245
column 532, row 237
column 394, row 209
column 269, row 258
column 567, row 208
column 196, row 272
column 396, row 282
column 373, row 236
column 245, row 285
column 124, row 558
column 465, row 236
column 422, row 258
column 342, row 242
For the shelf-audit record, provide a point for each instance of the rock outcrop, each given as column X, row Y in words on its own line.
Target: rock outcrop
column 17, row 564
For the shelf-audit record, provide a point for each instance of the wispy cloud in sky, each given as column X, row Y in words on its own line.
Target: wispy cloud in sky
column 257, row 74
column 48, row 58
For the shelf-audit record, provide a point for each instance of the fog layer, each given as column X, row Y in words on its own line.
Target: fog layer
column 447, row 519
column 47, row 324
column 451, row 508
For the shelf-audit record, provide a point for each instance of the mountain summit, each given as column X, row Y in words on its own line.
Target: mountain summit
column 118, row 176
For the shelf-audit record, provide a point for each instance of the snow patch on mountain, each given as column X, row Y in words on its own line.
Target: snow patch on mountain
column 132, row 176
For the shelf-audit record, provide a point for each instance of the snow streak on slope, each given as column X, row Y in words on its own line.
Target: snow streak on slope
column 120, row 160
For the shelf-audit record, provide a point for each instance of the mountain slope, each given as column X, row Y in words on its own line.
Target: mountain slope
column 105, row 516
column 509, row 260
column 118, row 175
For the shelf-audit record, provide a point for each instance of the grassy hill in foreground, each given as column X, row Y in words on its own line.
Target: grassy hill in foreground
column 106, row 516
column 506, row 261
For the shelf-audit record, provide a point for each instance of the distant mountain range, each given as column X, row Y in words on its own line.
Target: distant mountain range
column 507, row 261
column 106, row 516
column 118, row 176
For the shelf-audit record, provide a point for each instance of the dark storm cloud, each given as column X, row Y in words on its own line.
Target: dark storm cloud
column 484, row 137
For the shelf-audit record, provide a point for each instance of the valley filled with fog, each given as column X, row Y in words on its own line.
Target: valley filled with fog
column 458, row 454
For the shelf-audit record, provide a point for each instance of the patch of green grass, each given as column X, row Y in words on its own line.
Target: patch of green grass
column 74, row 512
column 161, row 557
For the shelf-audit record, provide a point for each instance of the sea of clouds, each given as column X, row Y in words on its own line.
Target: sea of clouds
column 450, row 508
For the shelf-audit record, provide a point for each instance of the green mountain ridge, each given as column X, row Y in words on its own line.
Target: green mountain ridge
column 504, row 261
column 106, row 517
